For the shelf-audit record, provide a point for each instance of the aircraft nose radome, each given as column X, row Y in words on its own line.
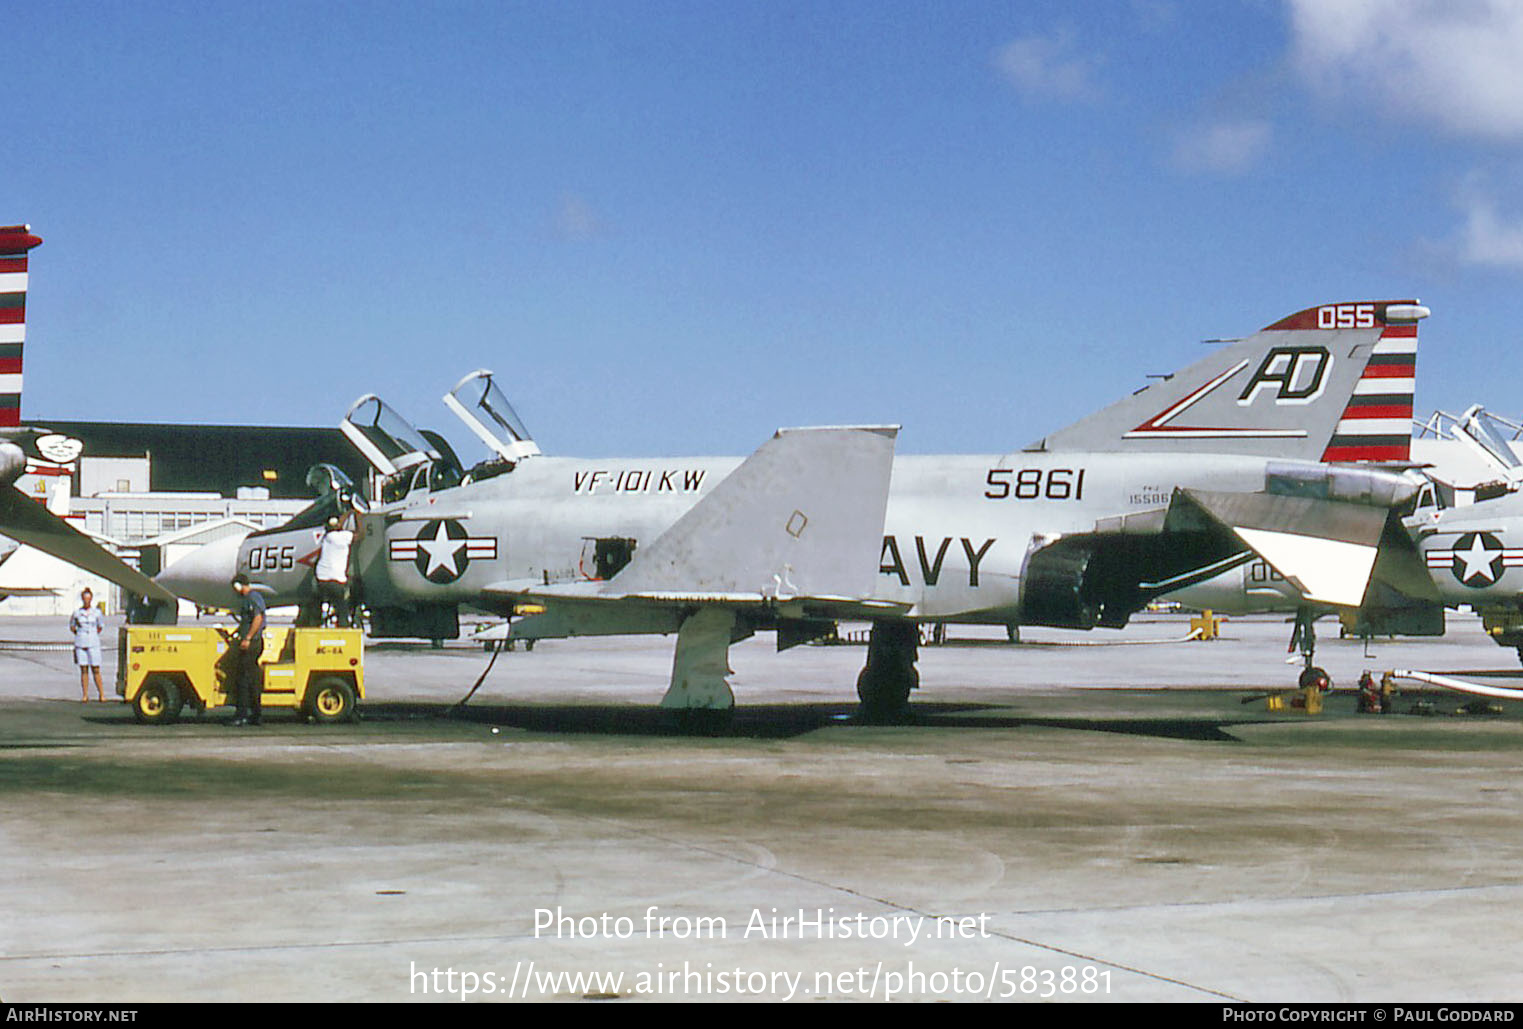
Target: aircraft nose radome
column 205, row 575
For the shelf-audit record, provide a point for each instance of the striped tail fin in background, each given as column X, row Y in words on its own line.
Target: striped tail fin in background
column 15, row 241
column 1377, row 423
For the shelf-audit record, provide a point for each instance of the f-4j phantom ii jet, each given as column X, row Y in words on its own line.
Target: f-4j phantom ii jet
column 1219, row 464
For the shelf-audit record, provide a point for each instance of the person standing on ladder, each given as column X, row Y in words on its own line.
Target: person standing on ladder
column 333, row 570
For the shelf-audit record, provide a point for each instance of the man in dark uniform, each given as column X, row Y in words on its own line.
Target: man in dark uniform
column 250, row 643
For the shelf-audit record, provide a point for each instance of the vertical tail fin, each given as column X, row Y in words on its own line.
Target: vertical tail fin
column 1377, row 423
column 15, row 241
column 1330, row 383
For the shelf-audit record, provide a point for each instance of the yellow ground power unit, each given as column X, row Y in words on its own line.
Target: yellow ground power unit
column 160, row 670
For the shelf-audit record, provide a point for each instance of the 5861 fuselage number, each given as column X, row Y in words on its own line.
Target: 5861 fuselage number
column 1035, row 484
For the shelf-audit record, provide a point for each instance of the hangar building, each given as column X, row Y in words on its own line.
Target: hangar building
column 152, row 492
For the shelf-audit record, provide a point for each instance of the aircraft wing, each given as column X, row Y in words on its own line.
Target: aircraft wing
column 1332, row 551
column 1329, row 547
column 795, row 530
column 26, row 521
column 1326, row 549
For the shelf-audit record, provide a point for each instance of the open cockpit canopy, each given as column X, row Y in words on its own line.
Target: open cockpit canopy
column 389, row 442
column 1489, row 436
column 406, row 459
column 478, row 402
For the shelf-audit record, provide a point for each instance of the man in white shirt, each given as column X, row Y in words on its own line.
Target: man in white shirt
column 333, row 570
column 86, row 625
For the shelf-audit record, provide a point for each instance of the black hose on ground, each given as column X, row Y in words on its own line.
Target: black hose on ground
column 460, row 704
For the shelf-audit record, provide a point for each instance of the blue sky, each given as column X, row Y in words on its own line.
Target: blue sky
column 672, row 227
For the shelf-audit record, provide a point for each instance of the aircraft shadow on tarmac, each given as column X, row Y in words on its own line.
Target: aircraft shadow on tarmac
column 784, row 721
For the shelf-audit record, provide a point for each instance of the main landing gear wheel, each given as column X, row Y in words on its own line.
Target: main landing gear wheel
column 158, row 702
column 884, row 685
column 885, row 695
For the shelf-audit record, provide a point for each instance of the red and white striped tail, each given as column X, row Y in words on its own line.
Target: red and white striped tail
column 1377, row 423
column 15, row 241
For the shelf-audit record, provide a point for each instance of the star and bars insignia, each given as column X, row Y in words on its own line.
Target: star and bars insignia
column 443, row 550
column 1477, row 559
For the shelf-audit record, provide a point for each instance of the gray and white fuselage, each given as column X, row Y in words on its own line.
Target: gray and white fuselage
column 957, row 534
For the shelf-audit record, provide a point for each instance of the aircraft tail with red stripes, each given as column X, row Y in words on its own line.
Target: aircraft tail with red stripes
column 1330, row 383
column 15, row 242
column 1377, row 423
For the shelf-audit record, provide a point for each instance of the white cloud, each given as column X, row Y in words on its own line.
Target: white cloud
column 1049, row 67
column 1455, row 63
column 1489, row 237
column 1222, row 147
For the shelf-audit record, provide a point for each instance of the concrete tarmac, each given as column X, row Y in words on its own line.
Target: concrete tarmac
column 1063, row 821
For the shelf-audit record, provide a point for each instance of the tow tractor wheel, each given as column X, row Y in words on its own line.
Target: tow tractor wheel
column 331, row 700
column 158, row 702
column 1315, row 676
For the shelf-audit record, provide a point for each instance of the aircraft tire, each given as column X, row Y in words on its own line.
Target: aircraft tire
column 885, row 696
column 330, row 699
column 158, row 702
column 1317, row 676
